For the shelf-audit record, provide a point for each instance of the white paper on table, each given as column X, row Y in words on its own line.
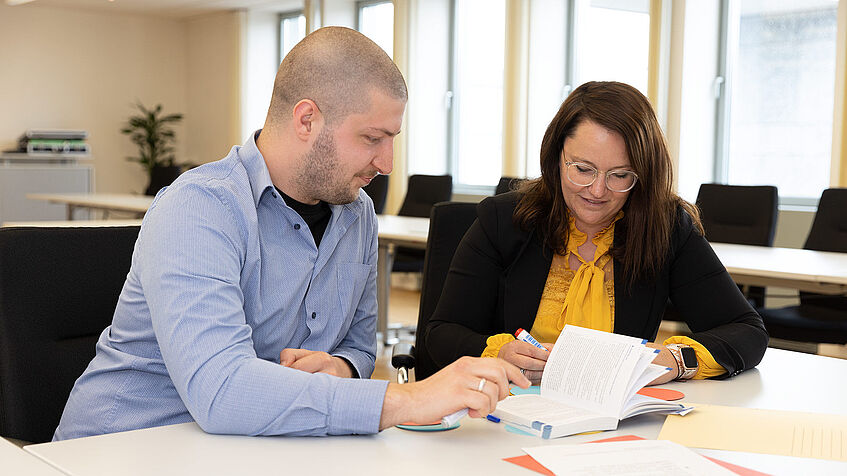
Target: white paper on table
column 641, row 457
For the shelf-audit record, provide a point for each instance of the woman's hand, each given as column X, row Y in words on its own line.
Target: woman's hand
column 665, row 359
column 527, row 357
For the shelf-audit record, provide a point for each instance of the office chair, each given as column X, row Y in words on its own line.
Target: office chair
column 507, row 184
column 378, row 191
column 739, row 214
column 424, row 191
column 819, row 318
column 448, row 223
column 58, row 291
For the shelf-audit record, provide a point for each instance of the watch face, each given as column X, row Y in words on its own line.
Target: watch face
column 689, row 357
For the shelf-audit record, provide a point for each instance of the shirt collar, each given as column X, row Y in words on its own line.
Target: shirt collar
column 257, row 169
column 260, row 177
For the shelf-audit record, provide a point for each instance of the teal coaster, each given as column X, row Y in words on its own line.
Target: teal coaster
column 432, row 427
column 516, row 430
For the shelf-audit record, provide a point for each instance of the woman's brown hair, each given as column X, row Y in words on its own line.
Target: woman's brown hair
column 650, row 211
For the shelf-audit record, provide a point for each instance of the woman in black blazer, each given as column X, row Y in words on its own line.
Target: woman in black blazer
column 600, row 240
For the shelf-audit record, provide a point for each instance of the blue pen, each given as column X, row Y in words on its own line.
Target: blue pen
column 526, row 337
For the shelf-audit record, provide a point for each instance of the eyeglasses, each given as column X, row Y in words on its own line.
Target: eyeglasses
column 583, row 175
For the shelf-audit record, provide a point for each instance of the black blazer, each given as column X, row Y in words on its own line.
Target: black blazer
column 498, row 274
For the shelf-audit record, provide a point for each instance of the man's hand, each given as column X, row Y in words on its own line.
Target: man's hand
column 526, row 356
column 665, row 359
column 314, row 361
column 454, row 387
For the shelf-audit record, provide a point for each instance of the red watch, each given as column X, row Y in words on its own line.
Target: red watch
column 686, row 360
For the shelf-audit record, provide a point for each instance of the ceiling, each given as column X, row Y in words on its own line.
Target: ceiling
column 166, row 8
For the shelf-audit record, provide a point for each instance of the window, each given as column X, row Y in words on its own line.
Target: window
column 574, row 42
column 376, row 21
column 292, row 29
column 427, row 116
column 776, row 126
column 477, row 100
column 611, row 41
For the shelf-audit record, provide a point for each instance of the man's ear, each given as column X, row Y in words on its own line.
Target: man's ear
column 307, row 116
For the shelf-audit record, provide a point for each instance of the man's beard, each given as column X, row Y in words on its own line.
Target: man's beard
column 319, row 177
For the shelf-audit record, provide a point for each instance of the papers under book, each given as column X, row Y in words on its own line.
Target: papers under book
column 589, row 383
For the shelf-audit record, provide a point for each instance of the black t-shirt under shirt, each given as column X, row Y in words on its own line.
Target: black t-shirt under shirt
column 316, row 216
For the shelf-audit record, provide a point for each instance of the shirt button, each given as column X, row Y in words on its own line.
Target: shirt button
column 296, row 226
column 314, row 315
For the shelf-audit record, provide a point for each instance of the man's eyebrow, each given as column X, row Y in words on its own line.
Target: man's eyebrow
column 384, row 131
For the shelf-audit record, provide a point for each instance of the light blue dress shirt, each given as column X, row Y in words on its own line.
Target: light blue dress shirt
column 224, row 276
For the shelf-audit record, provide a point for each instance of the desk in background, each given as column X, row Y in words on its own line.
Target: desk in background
column 394, row 231
column 107, row 202
column 785, row 380
column 807, row 270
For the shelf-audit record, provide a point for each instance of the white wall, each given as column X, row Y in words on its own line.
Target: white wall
column 213, row 113
column 65, row 68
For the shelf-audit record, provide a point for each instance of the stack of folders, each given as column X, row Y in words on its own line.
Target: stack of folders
column 589, row 383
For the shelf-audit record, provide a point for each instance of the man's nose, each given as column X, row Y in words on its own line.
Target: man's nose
column 384, row 161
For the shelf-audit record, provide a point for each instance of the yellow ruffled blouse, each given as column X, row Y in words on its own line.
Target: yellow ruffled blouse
column 586, row 298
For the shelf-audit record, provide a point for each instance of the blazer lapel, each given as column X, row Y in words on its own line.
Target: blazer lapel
column 522, row 284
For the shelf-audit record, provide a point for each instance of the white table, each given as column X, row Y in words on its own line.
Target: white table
column 14, row 460
column 394, row 231
column 784, row 381
column 122, row 202
column 807, row 270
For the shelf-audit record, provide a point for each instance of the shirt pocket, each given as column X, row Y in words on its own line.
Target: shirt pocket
column 352, row 280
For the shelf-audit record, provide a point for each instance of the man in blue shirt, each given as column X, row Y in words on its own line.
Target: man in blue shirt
column 251, row 298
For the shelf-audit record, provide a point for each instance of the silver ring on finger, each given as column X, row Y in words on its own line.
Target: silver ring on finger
column 481, row 385
column 523, row 372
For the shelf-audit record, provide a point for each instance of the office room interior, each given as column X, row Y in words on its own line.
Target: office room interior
column 748, row 92
column 738, row 103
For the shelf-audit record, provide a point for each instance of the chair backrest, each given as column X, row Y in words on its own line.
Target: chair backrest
column 507, row 184
column 738, row 213
column 58, row 291
column 378, row 191
column 447, row 225
column 828, row 233
column 425, row 191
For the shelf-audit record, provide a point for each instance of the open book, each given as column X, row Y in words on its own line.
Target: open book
column 589, row 383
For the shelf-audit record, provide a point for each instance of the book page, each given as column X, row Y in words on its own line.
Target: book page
column 591, row 369
column 624, row 457
column 537, row 408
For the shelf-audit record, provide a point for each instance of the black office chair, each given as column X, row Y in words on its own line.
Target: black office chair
column 378, row 191
column 739, row 214
column 424, row 191
column 448, row 223
column 507, row 184
column 819, row 318
column 58, row 291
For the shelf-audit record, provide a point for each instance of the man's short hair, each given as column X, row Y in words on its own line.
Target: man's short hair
column 337, row 68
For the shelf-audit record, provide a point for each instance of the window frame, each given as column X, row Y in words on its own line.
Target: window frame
column 281, row 17
column 723, row 89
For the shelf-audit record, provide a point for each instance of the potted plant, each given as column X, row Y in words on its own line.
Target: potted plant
column 153, row 135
